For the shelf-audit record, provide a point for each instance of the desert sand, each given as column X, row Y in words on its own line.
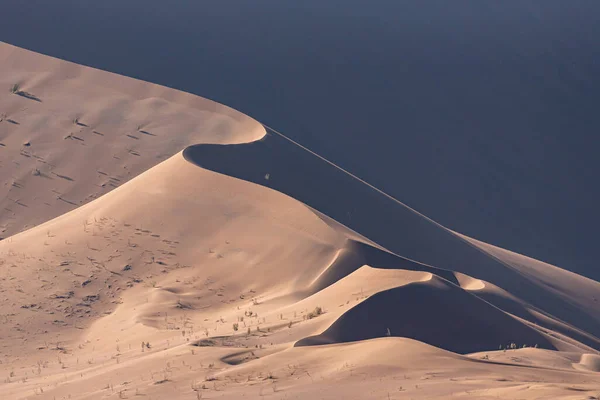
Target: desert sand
column 160, row 245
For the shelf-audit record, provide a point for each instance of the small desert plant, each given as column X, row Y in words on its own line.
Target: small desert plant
column 236, row 326
column 15, row 88
column 315, row 313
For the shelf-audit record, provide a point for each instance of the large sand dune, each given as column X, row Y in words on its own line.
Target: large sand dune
column 158, row 244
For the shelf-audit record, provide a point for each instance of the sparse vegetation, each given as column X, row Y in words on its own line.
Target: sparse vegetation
column 16, row 89
column 236, row 326
column 315, row 313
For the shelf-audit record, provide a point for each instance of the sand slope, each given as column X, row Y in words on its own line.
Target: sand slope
column 435, row 312
column 176, row 278
column 570, row 298
column 71, row 134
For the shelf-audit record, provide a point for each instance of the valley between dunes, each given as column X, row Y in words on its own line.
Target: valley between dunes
column 158, row 245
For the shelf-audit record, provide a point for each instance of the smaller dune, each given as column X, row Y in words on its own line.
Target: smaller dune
column 435, row 312
column 589, row 362
column 470, row 283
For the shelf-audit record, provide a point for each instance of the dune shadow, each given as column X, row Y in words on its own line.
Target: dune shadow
column 276, row 163
column 436, row 313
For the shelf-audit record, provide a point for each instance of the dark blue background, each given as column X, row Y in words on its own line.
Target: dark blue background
column 483, row 115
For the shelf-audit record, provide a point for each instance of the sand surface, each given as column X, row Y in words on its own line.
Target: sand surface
column 159, row 245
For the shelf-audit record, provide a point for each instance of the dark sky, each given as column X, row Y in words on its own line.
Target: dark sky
column 482, row 115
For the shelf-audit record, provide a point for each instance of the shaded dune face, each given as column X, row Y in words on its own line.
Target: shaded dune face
column 435, row 312
column 277, row 163
column 518, row 308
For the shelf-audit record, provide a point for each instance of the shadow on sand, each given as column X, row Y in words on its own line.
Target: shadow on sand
column 276, row 163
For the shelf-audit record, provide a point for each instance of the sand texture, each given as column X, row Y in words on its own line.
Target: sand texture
column 158, row 245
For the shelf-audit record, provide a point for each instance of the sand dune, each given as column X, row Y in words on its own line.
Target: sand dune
column 117, row 127
column 159, row 244
column 434, row 312
column 590, row 362
column 307, row 178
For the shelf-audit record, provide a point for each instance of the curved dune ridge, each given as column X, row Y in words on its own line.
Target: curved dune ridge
column 570, row 298
column 590, row 362
column 117, row 127
column 469, row 283
column 435, row 312
column 177, row 247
